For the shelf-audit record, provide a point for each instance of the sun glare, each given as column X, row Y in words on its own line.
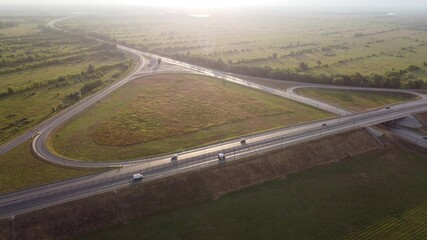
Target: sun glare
column 208, row 4
column 158, row 3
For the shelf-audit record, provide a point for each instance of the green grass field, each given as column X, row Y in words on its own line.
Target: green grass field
column 172, row 112
column 328, row 42
column 23, row 29
column 19, row 169
column 355, row 100
column 380, row 195
column 39, row 69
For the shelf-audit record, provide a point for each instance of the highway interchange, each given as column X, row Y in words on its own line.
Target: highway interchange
column 120, row 176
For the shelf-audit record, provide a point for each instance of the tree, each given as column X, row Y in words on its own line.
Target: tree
column 274, row 55
column 61, row 79
column 159, row 61
column 375, row 80
column 303, row 66
column 89, row 87
column 10, row 90
column 319, row 63
column 359, row 80
column 392, row 82
column 90, row 69
column 414, row 84
column 413, row 68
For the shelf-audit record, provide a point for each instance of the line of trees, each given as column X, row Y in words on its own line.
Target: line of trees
column 34, row 62
column 43, row 64
column 91, row 73
column 88, row 87
column 7, row 24
column 393, row 79
column 59, row 81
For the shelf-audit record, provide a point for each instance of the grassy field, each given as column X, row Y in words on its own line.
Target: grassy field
column 355, row 100
column 40, row 70
column 379, row 195
column 19, row 169
column 173, row 112
column 328, row 42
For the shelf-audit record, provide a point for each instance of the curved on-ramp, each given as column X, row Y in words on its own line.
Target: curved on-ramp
column 39, row 142
column 68, row 190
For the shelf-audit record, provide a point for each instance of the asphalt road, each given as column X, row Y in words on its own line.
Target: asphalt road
column 77, row 107
column 44, row 196
column 409, row 135
column 40, row 149
column 39, row 197
column 293, row 91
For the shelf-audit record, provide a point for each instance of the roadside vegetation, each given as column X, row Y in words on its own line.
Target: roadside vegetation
column 172, row 112
column 364, row 49
column 377, row 195
column 19, row 169
column 139, row 201
column 358, row 101
column 43, row 72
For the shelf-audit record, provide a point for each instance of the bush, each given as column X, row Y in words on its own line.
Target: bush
column 90, row 86
column 413, row 68
column 90, row 69
column 303, row 66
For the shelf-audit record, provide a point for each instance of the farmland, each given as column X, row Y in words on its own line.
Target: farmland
column 172, row 112
column 319, row 44
column 43, row 72
column 358, row 101
column 378, row 195
column 19, row 169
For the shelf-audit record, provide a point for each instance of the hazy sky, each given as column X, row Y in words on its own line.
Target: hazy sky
column 387, row 4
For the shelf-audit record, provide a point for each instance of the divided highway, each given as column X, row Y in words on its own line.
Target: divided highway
column 43, row 196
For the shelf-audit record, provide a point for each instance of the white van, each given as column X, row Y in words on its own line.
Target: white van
column 137, row 176
column 221, row 156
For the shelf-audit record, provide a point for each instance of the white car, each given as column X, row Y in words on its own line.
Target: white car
column 137, row 176
column 221, row 156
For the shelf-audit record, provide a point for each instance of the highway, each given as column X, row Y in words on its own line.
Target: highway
column 293, row 91
column 120, row 176
column 35, row 198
